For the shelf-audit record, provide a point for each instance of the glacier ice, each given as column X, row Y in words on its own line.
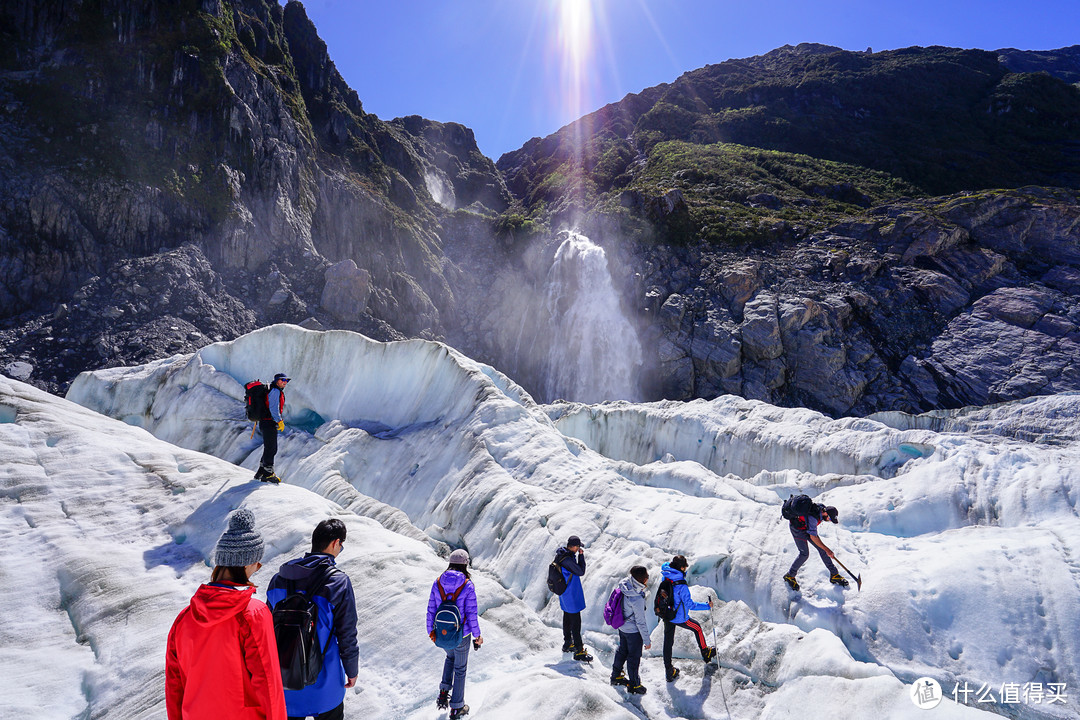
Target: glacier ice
column 967, row 542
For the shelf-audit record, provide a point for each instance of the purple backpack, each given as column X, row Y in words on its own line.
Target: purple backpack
column 613, row 612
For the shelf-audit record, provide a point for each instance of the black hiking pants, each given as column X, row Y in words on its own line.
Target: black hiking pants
column 268, row 428
column 571, row 630
column 629, row 652
column 337, row 713
column 669, row 638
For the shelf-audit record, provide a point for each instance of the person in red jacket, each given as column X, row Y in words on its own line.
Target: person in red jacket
column 221, row 660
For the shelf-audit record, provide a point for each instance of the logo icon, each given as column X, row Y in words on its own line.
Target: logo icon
column 926, row 693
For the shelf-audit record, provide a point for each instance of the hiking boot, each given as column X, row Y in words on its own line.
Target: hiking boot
column 838, row 579
column 271, row 478
column 638, row 689
column 792, row 582
column 672, row 674
column 260, row 473
column 583, row 656
column 620, row 679
column 708, row 654
column 459, row 712
column 568, row 647
column 444, row 700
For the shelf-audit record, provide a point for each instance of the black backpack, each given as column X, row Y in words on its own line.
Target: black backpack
column 257, row 400
column 797, row 508
column 664, row 604
column 556, row 580
column 296, row 620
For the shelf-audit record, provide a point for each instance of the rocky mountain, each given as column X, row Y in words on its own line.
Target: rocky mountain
column 852, row 232
column 784, row 237
column 1063, row 63
column 940, row 119
column 129, row 129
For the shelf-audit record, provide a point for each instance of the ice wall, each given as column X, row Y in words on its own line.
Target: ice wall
column 741, row 437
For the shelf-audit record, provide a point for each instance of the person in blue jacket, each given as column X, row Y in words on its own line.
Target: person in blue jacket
column 270, row 427
column 675, row 572
column 317, row 570
column 571, row 560
column 452, row 686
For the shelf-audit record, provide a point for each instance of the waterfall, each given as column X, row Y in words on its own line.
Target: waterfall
column 591, row 351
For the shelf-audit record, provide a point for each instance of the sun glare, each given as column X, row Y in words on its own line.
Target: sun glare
column 575, row 33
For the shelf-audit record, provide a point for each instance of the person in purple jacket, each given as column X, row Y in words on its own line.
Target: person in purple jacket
column 452, row 687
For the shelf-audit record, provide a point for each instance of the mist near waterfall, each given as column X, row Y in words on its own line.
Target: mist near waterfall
column 582, row 345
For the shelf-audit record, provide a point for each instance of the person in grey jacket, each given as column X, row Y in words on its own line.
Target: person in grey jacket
column 634, row 633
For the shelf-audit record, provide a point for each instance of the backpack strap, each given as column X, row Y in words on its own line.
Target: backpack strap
column 458, row 591
column 454, row 597
column 312, row 591
column 323, row 580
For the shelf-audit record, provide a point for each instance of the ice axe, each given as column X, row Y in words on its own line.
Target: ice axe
column 856, row 578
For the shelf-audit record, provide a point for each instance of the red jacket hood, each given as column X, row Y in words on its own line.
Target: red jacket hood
column 213, row 604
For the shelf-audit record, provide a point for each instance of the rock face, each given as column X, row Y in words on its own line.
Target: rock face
column 136, row 311
column 964, row 300
column 128, row 129
column 346, row 292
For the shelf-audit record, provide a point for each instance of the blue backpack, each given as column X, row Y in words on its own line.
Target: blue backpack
column 448, row 618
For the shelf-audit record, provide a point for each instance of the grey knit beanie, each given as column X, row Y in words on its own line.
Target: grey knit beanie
column 241, row 544
column 459, row 557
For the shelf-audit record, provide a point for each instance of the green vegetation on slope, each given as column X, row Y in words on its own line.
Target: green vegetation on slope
column 738, row 193
column 845, row 129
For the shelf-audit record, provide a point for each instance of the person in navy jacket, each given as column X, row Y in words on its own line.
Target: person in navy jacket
column 571, row 560
column 675, row 571
column 325, row 698
column 452, row 686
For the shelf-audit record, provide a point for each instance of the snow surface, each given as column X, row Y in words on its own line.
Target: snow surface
column 967, row 543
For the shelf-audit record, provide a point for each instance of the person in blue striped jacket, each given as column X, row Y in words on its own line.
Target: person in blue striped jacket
column 325, row 698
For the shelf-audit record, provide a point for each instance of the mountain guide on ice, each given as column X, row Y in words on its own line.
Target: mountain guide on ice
column 453, row 624
column 571, row 560
column 803, row 516
column 673, row 605
column 221, row 656
column 270, row 425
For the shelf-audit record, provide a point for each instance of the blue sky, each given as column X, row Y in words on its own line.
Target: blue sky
column 515, row 69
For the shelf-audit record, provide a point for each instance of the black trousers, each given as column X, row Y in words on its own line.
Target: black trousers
column 268, row 428
column 630, row 645
column 336, row 714
column 571, row 630
column 669, row 638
